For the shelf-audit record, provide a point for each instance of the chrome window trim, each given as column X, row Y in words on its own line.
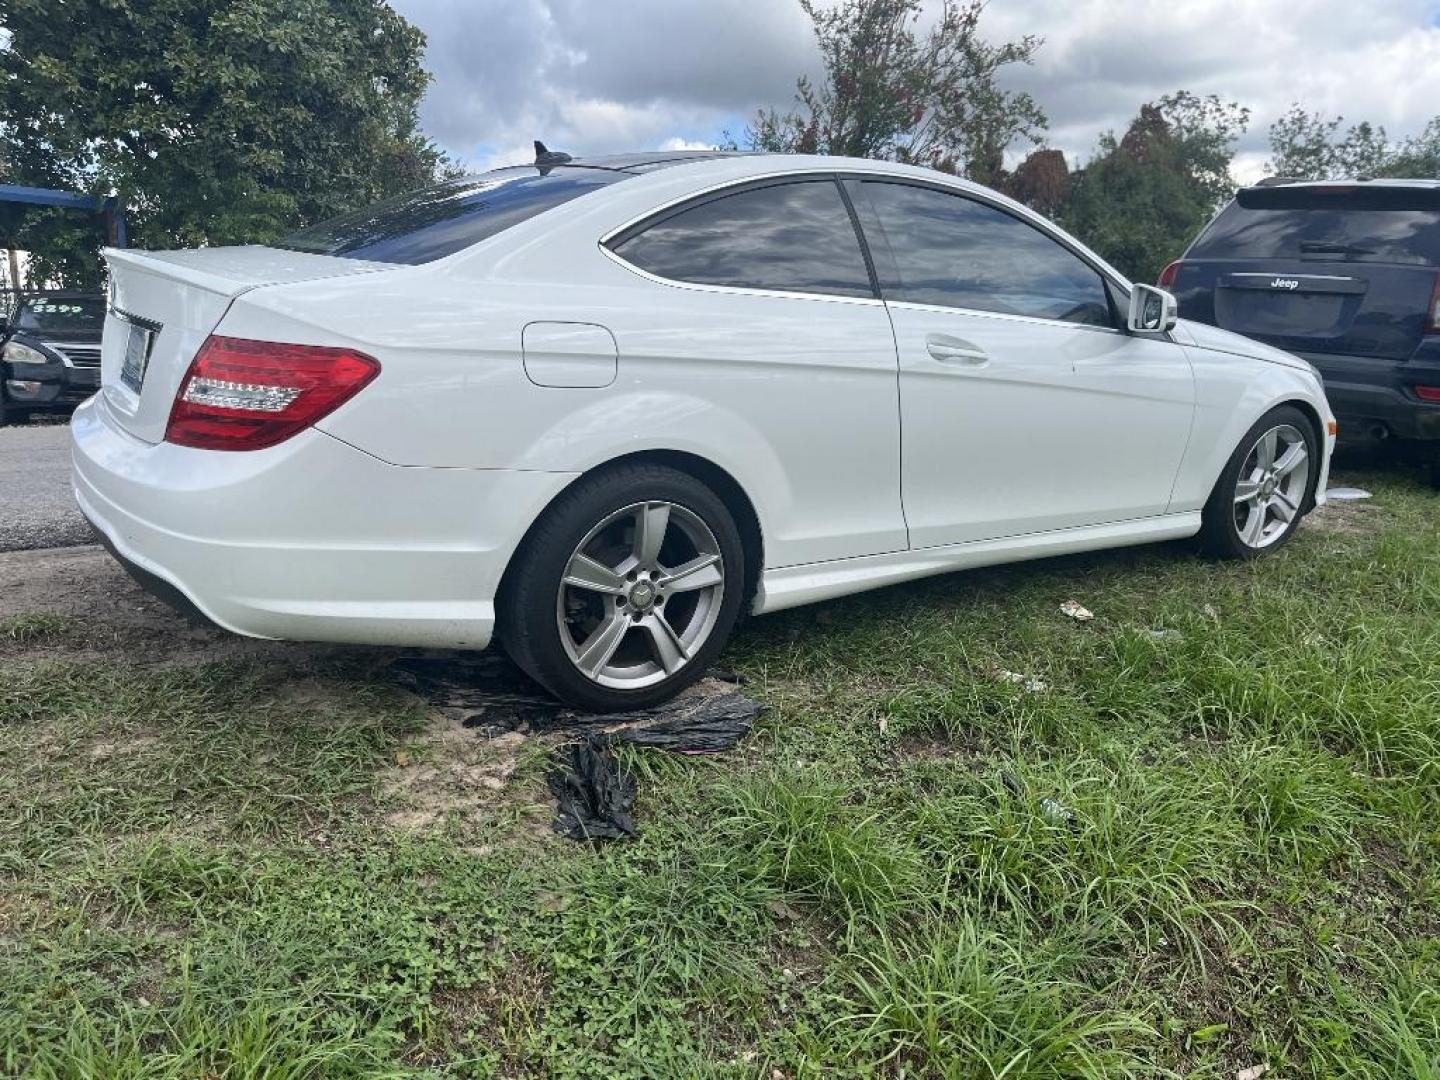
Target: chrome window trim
column 1037, row 320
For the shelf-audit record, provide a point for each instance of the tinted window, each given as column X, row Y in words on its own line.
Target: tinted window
column 789, row 237
column 59, row 314
column 437, row 221
column 1363, row 225
column 957, row 252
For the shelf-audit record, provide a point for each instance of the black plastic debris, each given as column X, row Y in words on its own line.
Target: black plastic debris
column 489, row 694
column 714, row 724
column 486, row 691
column 595, row 796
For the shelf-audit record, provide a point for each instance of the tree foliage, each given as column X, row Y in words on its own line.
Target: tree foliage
column 216, row 121
column 1308, row 146
column 1143, row 197
column 890, row 91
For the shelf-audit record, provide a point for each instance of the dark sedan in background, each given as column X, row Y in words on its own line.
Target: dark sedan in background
column 50, row 360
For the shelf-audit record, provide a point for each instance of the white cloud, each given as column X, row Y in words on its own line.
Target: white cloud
column 1378, row 61
column 590, row 77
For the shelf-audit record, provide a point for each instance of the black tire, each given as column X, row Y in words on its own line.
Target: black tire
column 529, row 602
column 1220, row 535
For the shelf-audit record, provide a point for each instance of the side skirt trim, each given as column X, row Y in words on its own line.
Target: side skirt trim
column 791, row 586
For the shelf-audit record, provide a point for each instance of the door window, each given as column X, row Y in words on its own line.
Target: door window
column 957, row 252
column 792, row 237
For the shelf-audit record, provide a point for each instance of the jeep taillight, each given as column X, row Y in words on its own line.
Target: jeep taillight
column 246, row 395
column 1168, row 275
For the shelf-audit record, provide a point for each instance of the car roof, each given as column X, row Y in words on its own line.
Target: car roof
column 728, row 165
column 647, row 160
column 724, row 166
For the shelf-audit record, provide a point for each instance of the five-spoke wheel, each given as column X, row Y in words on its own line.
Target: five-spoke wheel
column 1272, row 485
column 641, row 594
column 1266, row 487
column 626, row 589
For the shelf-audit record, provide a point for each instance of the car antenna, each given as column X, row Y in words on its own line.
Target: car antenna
column 545, row 160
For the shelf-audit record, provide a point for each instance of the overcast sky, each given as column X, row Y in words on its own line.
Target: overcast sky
column 603, row 75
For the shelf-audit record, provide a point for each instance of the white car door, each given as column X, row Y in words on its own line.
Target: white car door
column 1025, row 406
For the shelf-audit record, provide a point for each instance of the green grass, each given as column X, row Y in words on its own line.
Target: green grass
column 1210, row 843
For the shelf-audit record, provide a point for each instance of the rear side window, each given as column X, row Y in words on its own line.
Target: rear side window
column 955, row 252
column 794, row 237
column 441, row 220
column 1327, row 224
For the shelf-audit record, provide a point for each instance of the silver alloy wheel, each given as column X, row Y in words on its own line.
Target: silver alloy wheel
column 1271, row 486
column 640, row 595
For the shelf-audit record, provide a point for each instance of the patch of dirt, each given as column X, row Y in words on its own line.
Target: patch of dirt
column 458, row 772
column 1349, row 518
column 104, row 749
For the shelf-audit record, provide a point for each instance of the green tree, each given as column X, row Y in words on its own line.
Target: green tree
column 216, row 121
column 1308, row 146
column 1142, row 198
column 890, row 91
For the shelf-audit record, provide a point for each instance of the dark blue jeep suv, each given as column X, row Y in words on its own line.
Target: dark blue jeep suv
column 1346, row 275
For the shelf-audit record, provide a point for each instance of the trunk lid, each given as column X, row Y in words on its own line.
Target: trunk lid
column 1310, row 268
column 164, row 304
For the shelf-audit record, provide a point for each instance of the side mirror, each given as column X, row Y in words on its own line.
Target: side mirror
column 1152, row 311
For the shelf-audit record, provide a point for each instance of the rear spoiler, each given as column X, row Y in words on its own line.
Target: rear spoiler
column 1339, row 196
column 157, row 264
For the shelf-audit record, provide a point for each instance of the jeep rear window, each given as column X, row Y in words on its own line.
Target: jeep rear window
column 441, row 220
column 1339, row 223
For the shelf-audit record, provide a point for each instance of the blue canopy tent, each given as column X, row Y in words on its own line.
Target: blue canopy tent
column 109, row 207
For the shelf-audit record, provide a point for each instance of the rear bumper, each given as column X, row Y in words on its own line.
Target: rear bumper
column 1375, row 398
column 309, row 540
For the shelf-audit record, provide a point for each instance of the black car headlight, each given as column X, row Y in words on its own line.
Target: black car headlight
column 21, row 356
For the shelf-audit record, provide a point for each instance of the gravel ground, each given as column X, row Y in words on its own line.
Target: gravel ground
column 37, row 508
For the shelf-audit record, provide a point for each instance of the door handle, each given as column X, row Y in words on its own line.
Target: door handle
column 954, row 351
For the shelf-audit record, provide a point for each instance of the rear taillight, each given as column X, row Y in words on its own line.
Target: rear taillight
column 1168, row 275
column 246, row 395
column 1432, row 317
column 1428, row 393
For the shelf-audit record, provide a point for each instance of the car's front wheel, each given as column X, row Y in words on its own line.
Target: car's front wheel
column 1265, row 489
column 626, row 589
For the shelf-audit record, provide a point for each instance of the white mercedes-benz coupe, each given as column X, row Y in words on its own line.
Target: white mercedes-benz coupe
column 596, row 409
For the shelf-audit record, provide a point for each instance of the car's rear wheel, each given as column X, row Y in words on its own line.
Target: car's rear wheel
column 1265, row 489
column 626, row 590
